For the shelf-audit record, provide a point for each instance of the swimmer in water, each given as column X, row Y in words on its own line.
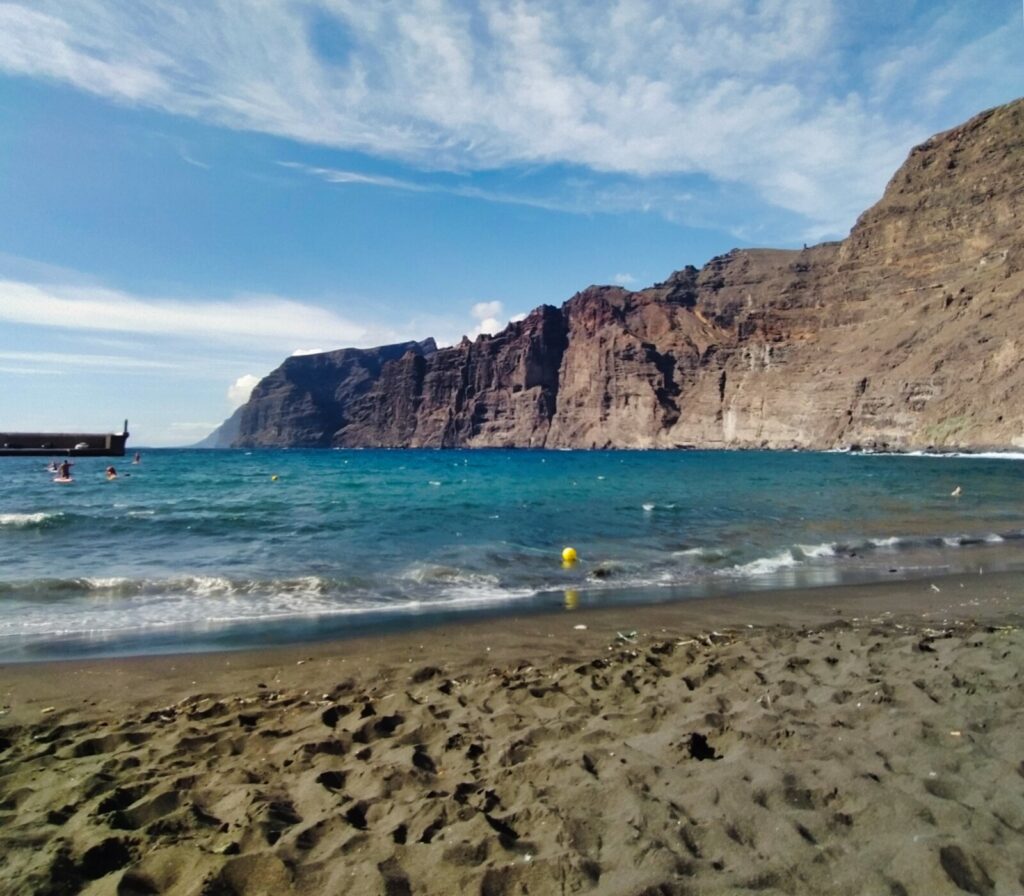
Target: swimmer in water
column 111, row 473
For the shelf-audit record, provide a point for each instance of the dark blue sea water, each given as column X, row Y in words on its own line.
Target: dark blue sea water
column 193, row 550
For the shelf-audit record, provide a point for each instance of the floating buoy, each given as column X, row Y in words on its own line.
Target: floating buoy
column 569, row 555
column 273, row 478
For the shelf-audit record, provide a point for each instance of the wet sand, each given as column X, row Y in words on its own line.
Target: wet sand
column 814, row 742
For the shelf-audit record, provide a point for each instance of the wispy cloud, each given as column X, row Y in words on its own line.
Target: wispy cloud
column 766, row 95
column 336, row 176
column 581, row 193
column 30, row 371
column 267, row 322
column 195, row 163
column 571, row 201
column 71, row 360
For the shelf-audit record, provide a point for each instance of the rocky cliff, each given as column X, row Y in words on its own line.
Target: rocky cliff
column 907, row 334
column 305, row 401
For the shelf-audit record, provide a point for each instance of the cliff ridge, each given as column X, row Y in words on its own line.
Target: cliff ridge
column 903, row 336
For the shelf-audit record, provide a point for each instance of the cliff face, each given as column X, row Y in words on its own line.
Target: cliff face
column 905, row 335
column 305, row 401
column 499, row 390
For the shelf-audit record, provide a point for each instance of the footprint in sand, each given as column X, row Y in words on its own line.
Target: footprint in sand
column 331, row 716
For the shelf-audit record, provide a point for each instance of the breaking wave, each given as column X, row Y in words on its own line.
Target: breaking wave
column 28, row 520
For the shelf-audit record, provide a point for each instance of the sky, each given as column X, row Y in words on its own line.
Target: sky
column 193, row 190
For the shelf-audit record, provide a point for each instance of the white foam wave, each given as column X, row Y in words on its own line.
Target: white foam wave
column 766, row 565
column 464, row 596
column 108, row 583
column 648, row 507
column 204, row 586
column 959, row 455
column 209, row 586
column 135, row 611
column 425, row 574
column 21, row 520
column 816, row 551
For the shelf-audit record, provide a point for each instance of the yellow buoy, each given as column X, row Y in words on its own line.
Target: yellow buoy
column 273, row 478
column 569, row 555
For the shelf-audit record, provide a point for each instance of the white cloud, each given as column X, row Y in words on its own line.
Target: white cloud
column 240, row 390
column 490, row 319
column 624, row 279
column 486, row 316
column 766, row 95
column 42, row 45
column 485, row 310
column 487, row 327
column 268, row 322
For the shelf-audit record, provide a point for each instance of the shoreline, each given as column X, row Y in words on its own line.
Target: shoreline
column 760, row 604
column 826, row 741
column 981, row 451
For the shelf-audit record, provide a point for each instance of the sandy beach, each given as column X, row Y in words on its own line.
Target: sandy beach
column 813, row 742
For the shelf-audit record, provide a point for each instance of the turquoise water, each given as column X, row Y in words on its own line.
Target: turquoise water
column 194, row 550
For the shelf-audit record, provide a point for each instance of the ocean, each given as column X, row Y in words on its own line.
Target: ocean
column 203, row 550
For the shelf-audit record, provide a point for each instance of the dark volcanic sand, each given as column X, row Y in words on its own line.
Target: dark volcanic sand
column 833, row 748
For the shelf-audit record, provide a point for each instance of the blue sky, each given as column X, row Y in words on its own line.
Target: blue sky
column 192, row 191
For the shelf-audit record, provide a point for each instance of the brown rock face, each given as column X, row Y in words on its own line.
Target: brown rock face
column 908, row 334
column 499, row 390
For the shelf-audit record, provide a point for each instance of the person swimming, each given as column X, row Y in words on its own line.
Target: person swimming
column 111, row 473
